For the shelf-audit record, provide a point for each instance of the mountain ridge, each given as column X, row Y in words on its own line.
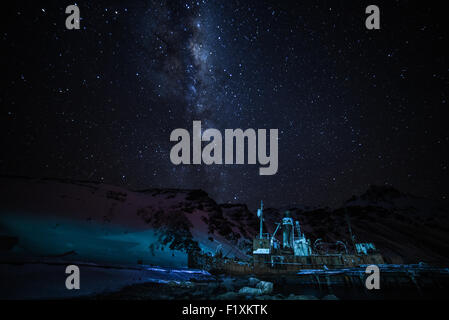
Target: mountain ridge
column 160, row 226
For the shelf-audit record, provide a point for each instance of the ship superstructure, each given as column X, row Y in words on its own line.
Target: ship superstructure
column 295, row 252
column 288, row 250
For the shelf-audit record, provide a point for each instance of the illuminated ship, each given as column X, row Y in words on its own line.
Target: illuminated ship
column 293, row 253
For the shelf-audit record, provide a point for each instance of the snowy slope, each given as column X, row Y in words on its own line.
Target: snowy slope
column 102, row 223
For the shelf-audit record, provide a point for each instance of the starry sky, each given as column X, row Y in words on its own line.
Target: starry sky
column 353, row 107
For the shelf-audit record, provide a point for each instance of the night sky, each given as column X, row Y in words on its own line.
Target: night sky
column 353, row 107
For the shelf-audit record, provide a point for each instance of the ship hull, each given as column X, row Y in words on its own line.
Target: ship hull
column 281, row 264
column 270, row 264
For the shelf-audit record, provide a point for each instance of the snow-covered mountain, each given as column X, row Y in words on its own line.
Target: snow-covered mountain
column 95, row 222
column 405, row 228
column 103, row 223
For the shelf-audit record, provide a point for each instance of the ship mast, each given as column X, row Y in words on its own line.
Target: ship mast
column 260, row 215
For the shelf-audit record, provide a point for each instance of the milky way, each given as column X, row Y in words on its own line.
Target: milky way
column 353, row 107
